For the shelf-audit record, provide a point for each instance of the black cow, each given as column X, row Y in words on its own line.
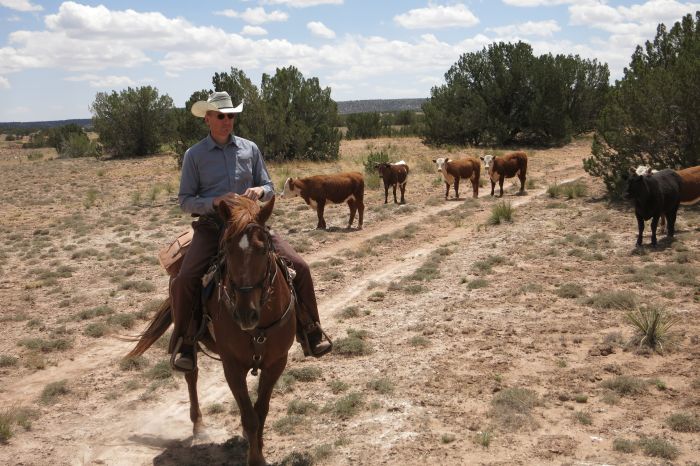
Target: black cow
column 655, row 196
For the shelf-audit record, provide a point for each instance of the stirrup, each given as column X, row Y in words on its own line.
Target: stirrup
column 306, row 344
column 176, row 352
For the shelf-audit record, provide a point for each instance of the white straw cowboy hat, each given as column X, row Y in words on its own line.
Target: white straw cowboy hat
column 217, row 102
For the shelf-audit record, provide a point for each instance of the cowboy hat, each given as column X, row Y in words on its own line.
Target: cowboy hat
column 217, row 102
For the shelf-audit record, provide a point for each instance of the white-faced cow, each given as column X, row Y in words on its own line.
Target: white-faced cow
column 454, row 170
column 337, row 188
column 655, row 196
column 498, row 168
column 393, row 174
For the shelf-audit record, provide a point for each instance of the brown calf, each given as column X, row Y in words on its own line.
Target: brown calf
column 337, row 188
column 506, row 166
column 453, row 170
column 393, row 174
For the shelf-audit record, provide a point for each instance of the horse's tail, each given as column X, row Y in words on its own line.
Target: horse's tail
column 160, row 323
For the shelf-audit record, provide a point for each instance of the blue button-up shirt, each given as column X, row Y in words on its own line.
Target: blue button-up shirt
column 210, row 170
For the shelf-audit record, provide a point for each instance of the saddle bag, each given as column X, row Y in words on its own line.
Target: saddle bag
column 171, row 256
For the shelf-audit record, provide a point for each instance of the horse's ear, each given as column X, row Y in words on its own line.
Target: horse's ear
column 265, row 211
column 224, row 211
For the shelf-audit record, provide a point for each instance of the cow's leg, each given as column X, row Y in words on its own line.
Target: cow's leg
column 447, row 189
column 500, row 184
column 640, row 229
column 360, row 212
column 654, row 224
column 403, row 191
column 319, row 212
column 386, row 192
column 353, row 209
column 395, row 201
column 493, row 186
column 671, row 222
column 195, row 412
column 475, row 186
column 521, row 175
column 456, row 187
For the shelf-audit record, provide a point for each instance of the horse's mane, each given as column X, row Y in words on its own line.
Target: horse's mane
column 242, row 212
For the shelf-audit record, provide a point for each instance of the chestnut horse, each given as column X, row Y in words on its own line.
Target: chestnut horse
column 252, row 311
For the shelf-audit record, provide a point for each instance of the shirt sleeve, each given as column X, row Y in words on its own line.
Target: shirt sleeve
column 190, row 202
column 261, row 177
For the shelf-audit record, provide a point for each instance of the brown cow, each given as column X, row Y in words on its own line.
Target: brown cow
column 453, row 170
column 506, row 166
column 690, row 185
column 337, row 188
column 393, row 174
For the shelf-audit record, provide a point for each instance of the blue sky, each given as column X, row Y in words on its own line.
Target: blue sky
column 56, row 55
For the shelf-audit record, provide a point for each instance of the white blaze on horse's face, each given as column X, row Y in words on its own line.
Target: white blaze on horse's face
column 243, row 243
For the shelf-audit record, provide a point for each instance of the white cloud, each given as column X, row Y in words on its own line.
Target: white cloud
column 104, row 82
column 529, row 28
column 253, row 31
column 303, row 3
column 258, row 15
column 319, row 29
column 437, row 16
column 20, row 5
column 4, row 83
column 531, row 3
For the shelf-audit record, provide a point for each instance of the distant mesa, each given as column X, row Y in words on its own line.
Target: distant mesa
column 344, row 108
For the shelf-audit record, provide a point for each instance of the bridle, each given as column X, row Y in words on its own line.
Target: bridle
column 264, row 284
column 274, row 263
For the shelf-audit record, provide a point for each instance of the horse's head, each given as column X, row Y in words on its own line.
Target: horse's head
column 247, row 247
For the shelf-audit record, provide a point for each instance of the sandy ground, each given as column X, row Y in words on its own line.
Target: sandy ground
column 483, row 344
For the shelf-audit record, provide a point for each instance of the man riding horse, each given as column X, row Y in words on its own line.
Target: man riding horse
column 216, row 169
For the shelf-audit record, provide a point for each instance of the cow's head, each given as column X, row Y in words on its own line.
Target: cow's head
column 290, row 189
column 488, row 161
column 637, row 188
column 381, row 167
column 440, row 163
column 643, row 170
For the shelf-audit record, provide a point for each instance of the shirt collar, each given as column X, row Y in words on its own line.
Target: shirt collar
column 211, row 144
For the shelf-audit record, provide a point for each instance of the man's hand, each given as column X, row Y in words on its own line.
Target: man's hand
column 254, row 193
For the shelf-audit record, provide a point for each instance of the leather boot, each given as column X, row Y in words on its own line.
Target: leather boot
column 185, row 361
column 314, row 344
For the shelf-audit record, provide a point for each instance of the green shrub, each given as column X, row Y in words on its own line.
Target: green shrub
column 501, row 212
column 624, row 445
column 625, row 385
column 570, row 290
column 683, row 422
column 659, row 448
column 8, row 361
column 52, row 391
column 347, row 406
column 652, row 326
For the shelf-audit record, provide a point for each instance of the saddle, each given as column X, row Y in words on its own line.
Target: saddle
column 171, row 256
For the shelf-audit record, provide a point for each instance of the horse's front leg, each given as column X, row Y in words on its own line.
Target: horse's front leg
column 195, row 412
column 268, row 379
column 235, row 376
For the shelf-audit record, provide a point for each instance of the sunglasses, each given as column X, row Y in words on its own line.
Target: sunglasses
column 221, row 116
